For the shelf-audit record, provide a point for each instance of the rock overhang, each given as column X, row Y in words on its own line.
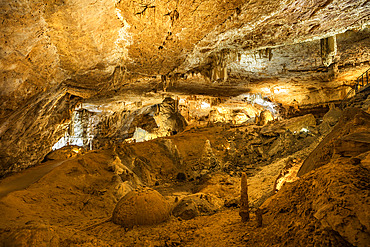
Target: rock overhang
column 100, row 49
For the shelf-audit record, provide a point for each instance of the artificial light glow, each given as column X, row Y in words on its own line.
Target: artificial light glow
column 119, row 15
column 205, row 105
column 266, row 90
column 279, row 90
column 141, row 135
column 258, row 99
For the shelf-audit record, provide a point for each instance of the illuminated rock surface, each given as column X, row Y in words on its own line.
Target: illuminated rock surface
column 184, row 96
column 81, row 49
column 141, row 207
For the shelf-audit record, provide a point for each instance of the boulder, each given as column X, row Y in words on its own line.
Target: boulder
column 292, row 124
column 298, row 123
column 265, row 117
column 353, row 144
column 143, row 206
column 195, row 205
column 332, row 116
column 353, row 120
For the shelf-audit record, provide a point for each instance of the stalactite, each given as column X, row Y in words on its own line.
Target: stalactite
column 328, row 50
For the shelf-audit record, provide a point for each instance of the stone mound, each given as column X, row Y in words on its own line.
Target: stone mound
column 196, row 205
column 327, row 207
column 141, row 207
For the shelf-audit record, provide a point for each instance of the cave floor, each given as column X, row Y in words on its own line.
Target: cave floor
column 70, row 202
column 25, row 178
column 74, row 206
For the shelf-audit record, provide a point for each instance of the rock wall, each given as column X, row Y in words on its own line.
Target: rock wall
column 351, row 48
column 266, row 24
column 278, row 61
column 100, row 47
column 45, row 43
column 28, row 134
column 354, row 47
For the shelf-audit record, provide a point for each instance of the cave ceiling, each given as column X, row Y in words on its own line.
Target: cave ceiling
column 93, row 44
column 54, row 54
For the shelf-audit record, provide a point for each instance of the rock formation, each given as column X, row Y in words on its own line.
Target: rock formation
column 141, row 207
column 55, row 55
column 354, row 125
column 244, row 203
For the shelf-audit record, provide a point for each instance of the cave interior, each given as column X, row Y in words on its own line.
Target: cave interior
column 185, row 123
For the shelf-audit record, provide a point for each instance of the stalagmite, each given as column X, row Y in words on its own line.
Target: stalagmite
column 259, row 217
column 244, row 205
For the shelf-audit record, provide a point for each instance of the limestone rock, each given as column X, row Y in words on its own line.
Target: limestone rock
column 334, row 198
column 53, row 55
column 141, row 207
column 324, row 128
column 332, row 116
column 195, row 205
column 294, row 125
column 297, row 123
column 209, row 159
column 28, row 135
column 150, row 122
column 353, row 144
column 42, row 236
column 353, row 120
column 168, row 118
column 65, row 153
column 265, row 117
column 121, row 189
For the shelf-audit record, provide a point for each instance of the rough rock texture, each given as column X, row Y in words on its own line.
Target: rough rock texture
column 28, row 134
column 45, row 43
column 146, row 123
column 102, row 48
column 332, row 116
column 353, row 121
column 261, row 24
column 141, row 207
column 31, row 236
column 353, row 144
column 332, row 201
column 75, row 201
column 196, row 205
column 292, row 124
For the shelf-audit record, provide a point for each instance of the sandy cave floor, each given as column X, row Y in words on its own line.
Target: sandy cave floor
column 56, row 199
column 72, row 204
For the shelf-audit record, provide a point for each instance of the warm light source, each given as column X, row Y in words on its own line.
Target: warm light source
column 205, row 105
